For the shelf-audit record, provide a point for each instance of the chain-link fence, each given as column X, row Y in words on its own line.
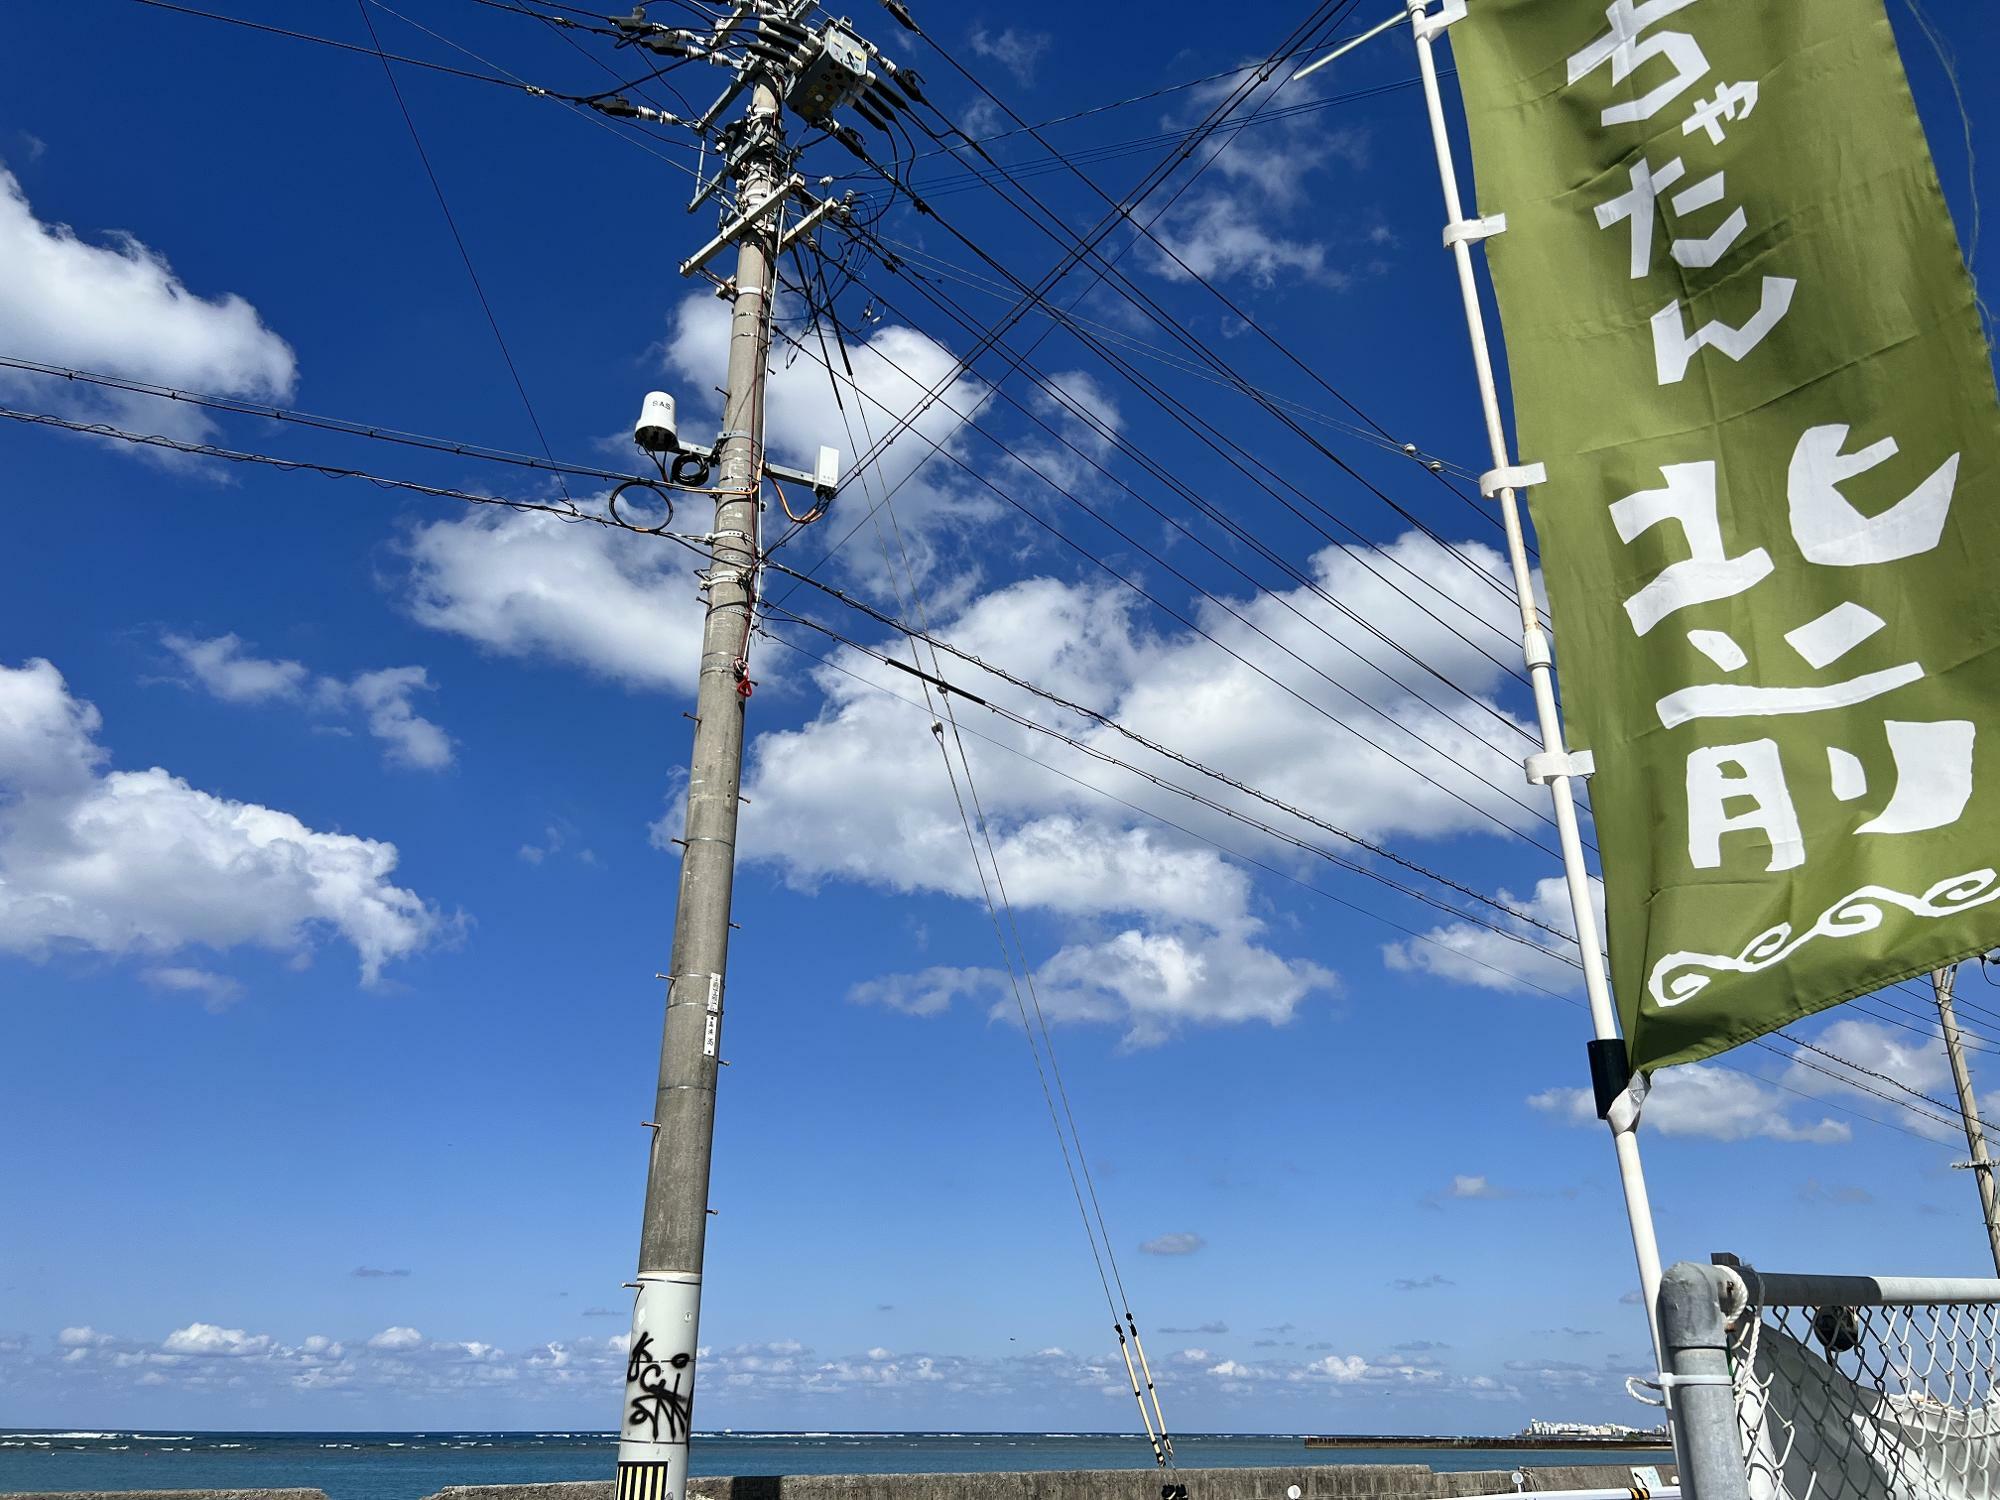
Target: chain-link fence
column 1833, row 1387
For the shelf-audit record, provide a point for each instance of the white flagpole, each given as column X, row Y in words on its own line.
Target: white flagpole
column 1555, row 766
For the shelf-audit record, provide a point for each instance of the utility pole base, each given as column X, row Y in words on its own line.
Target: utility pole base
column 645, row 1482
column 659, row 1387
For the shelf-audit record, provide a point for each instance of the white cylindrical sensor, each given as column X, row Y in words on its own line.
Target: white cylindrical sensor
column 656, row 430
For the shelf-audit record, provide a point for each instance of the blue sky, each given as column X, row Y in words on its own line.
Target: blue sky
column 331, row 892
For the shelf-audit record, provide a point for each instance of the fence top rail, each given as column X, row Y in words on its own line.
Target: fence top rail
column 1779, row 1289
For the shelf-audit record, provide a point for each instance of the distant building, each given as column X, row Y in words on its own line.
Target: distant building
column 1570, row 1431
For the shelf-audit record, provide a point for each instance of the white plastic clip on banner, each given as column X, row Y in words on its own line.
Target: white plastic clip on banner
column 1428, row 27
column 1471, row 231
column 1545, row 766
column 1513, row 477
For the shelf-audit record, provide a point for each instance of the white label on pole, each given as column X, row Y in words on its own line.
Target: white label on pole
column 715, row 994
column 659, row 1388
column 708, row 1039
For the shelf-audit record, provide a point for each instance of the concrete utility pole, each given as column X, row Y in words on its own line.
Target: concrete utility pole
column 660, row 1367
column 1942, row 981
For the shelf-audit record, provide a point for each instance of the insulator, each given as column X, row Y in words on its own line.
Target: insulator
column 911, row 82
column 871, row 112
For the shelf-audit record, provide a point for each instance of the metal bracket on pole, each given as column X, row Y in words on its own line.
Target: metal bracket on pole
column 1471, row 231
column 1427, row 26
column 1513, row 477
column 806, row 225
column 745, row 220
column 1546, row 765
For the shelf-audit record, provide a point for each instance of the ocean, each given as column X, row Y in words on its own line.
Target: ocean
column 410, row 1465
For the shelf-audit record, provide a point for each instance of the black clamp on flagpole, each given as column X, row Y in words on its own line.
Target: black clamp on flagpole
column 1610, row 1072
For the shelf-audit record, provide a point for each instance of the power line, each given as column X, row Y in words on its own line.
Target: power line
column 341, row 425
column 1458, row 955
column 327, row 41
column 938, row 265
column 1112, row 435
column 458, row 239
column 569, row 512
column 986, row 481
column 1141, row 299
column 1154, row 815
column 594, row 114
column 1164, row 1455
column 1183, row 415
column 566, row 511
column 1203, row 800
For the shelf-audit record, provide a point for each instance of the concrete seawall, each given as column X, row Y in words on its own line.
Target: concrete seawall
column 1314, row 1482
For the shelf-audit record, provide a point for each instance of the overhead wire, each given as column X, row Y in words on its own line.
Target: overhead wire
column 1162, row 1444
column 863, row 398
column 327, row 41
column 347, row 427
column 937, row 265
column 1569, row 960
column 1161, row 245
column 1114, row 437
column 575, row 104
column 458, row 239
column 1194, row 423
column 570, row 512
column 1223, row 809
column 1369, row 553
column 1312, row 705
column 1457, row 955
column 1085, row 248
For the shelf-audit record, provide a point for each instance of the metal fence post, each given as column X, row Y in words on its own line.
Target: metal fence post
column 1695, row 1340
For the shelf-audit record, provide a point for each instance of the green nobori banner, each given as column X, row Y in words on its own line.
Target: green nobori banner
column 1744, row 345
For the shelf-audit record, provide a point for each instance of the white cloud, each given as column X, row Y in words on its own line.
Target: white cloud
column 528, row 584
column 83, row 1338
column 1916, row 1061
column 1217, row 240
column 219, row 990
column 859, row 794
column 397, row 1338
column 1015, row 50
column 141, row 862
column 1467, row 953
column 384, row 697
column 207, row 1339
column 1153, row 983
column 1705, row 1100
column 1261, row 179
column 222, row 666
column 905, row 389
column 118, row 308
column 207, row 1359
column 1463, row 1186
column 929, row 992
column 1179, row 1242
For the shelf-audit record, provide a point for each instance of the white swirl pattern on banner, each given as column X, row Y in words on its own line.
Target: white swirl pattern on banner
column 1679, row 977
